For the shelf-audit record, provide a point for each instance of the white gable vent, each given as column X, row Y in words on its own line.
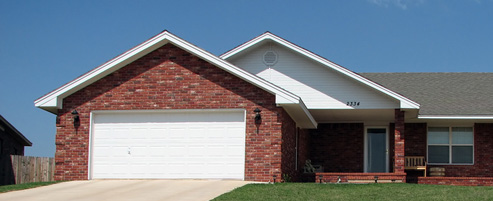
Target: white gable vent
column 270, row 58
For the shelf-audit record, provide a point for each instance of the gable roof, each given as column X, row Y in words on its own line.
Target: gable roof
column 443, row 94
column 54, row 100
column 405, row 102
column 15, row 133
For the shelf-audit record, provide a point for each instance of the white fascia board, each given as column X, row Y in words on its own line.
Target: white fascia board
column 300, row 114
column 313, row 123
column 284, row 100
column 405, row 103
column 48, row 100
column 246, row 45
column 451, row 117
column 53, row 100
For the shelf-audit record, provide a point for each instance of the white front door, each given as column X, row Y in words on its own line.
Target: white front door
column 179, row 144
column 376, row 149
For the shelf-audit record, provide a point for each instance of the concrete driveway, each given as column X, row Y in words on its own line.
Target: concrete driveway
column 95, row 190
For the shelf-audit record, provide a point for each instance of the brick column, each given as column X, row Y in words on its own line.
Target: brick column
column 399, row 142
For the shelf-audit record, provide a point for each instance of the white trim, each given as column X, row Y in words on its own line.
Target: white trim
column 54, row 100
column 115, row 62
column 91, row 140
column 312, row 123
column 365, row 161
column 306, row 111
column 453, row 117
column 148, row 46
column 404, row 101
column 164, row 110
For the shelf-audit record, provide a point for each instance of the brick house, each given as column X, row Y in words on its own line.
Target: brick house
column 168, row 109
column 12, row 142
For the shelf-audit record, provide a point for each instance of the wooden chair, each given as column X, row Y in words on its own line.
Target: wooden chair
column 415, row 163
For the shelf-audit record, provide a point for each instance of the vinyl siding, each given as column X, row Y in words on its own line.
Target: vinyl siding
column 318, row 86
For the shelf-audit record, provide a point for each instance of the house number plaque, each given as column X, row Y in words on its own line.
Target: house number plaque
column 352, row 103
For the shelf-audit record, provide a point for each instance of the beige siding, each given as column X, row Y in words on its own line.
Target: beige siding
column 318, row 86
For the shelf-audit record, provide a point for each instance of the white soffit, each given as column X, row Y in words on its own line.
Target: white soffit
column 405, row 103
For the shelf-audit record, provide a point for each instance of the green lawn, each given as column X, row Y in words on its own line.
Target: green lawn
column 16, row 187
column 312, row 191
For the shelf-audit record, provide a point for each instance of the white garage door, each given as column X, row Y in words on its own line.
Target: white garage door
column 205, row 144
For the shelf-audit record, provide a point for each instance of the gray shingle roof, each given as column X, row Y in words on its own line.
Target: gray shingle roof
column 442, row 93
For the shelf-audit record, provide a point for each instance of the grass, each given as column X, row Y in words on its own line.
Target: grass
column 312, row 191
column 16, row 187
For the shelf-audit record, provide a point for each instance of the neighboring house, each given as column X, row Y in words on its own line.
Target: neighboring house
column 12, row 142
column 168, row 109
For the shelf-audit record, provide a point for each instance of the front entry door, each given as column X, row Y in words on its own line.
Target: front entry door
column 376, row 150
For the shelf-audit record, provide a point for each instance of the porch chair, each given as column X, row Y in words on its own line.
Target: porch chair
column 415, row 163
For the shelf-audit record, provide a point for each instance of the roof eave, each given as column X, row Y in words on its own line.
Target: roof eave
column 457, row 117
column 405, row 103
column 54, row 100
column 55, row 97
column 300, row 114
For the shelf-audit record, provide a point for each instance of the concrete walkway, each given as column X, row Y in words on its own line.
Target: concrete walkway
column 96, row 190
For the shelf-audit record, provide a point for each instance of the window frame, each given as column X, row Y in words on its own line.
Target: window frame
column 450, row 145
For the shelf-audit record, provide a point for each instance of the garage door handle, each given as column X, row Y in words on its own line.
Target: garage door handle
column 128, row 150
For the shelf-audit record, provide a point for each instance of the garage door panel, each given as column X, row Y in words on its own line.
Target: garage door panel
column 207, row 144
column 117, row 171
column 157, row 153
column 176, row 116
column 138, row 151
column 233, row 150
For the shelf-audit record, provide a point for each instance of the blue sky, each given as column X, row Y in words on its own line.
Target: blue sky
column 45, row 44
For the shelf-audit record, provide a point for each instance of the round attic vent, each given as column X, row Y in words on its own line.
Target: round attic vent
column 270, row 58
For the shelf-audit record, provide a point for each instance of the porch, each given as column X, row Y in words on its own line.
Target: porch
column 355, row 152
column 365, row 178
column 339, row 150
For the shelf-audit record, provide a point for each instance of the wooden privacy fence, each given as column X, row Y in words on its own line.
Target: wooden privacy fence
column 32, row 169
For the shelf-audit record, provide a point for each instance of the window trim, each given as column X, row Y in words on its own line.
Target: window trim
column 450, row 145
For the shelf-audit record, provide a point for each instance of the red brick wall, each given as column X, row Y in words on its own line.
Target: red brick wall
column 338, row 147
column 483, row 146
column 288, row 165
column 170, row 78
column 303, row 148
column 457, row 181
column 399, row 142
column 415, row 139
column 483, row 160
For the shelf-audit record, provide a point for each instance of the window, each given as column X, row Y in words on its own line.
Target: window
column 450, row 145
